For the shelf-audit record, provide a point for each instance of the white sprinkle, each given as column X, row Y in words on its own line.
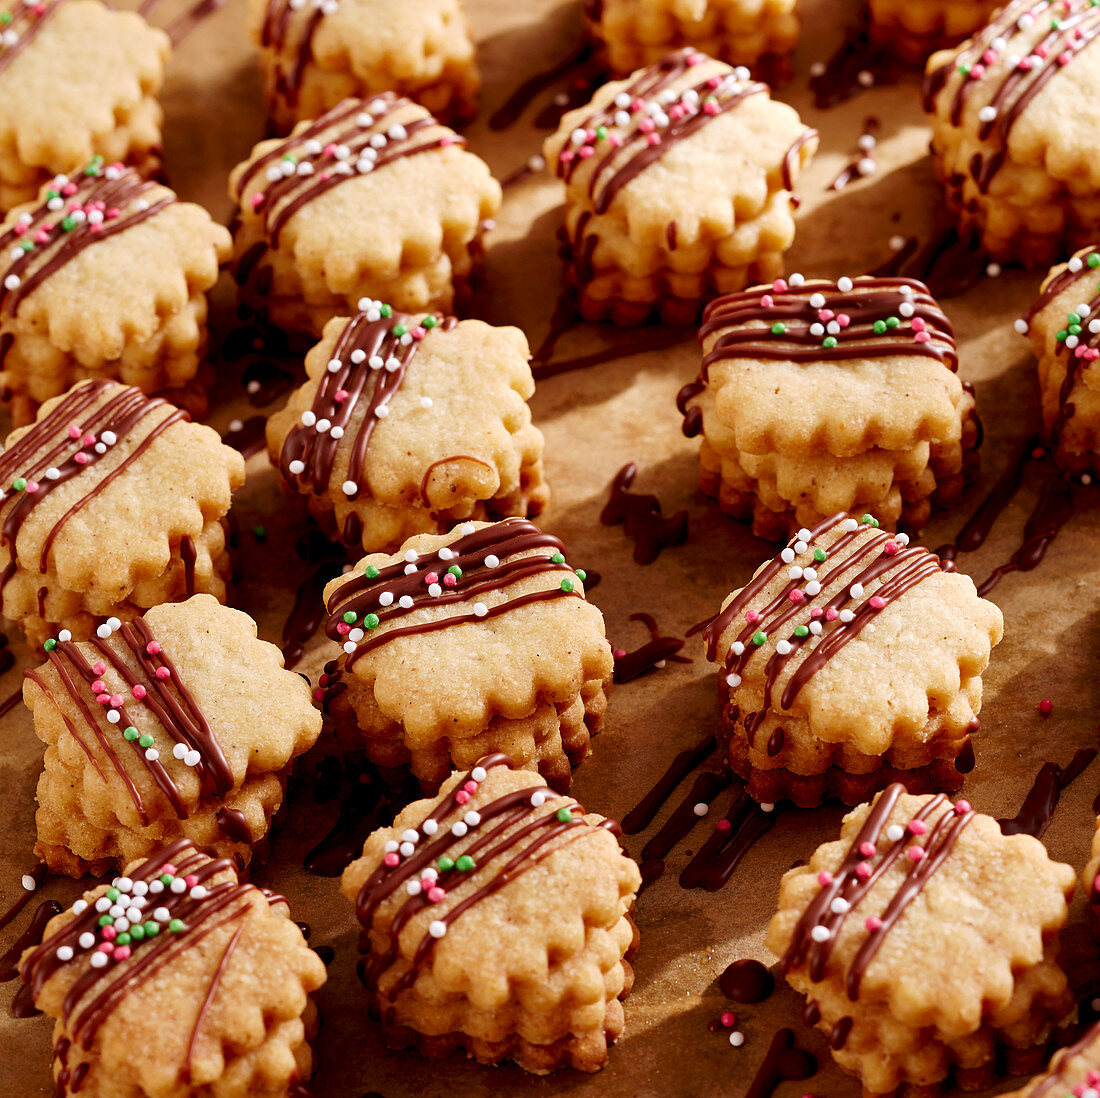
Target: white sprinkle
column 116, row 911
column 737, row 648
column 783, row 648
column 103, row 632
column 133, row 913
column 993, row 270
column 156, row 887
column 466, row 529
column 815, row 628
column 405, row 602
column 795, row 572
column 817, row 68
column 323, row 425
column 856, row 590
column 480, row 609
column 376, row 362
column 64, row 953
column 52, row 473
column 622, row 118
column 140, row 888
column 178, row 886
column 114, row 624
column 848, row 525
column 356, row 635
column 787, row 556
column 98, row 960
column 429, row 827
column 866, row 142
column 336, row 432
column 1082, row 310
column 305, row 168
column 406, row 849
column 902, row 539
column 86, row 940
column 445, row 554
column 839, row 906
column 296, row 467
column 80, row 907
column 378, row 141
column 308, row 418
column 846, row 616
column 1086, row 479
column 358, row 355
column 538, row 799
column 795, row 280
column 191, row 758
column 382, row 411
column 393, row 363
column 907, row 308
column 817, row 329
column 179, row 750
column 386, row 598
column 11, row 282
column 844, row 285
column 813, row 588
column 410, row 569
column 437, row 929
column 472, row 818
column 391, row 846
column 349, row 647
column 425, row 402
column 897, row 243
column 866, row 166
column 1072, row 342
column 821, row 933
column 64, row 635
column 161, row 914
column 987, row 114
column 1076, row 264
column 363, row 120
column 459, row 829
column 435, row 590
column 413, row 888
column 894, row 832
column 809, row 573
column 122, row 925
column 479, row 772
column 733, row 679
column 114, row 717
column 409, row 835
column 737, row 1038
column 252, row 387
column 767, row 806
column 800, row 546
column 865, row 79
column 492, row 561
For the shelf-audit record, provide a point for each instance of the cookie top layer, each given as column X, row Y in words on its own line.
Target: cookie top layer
column 922, row 905
column 456, row 628
column 1074, row 1071
column 338, row 188
column 1007, row 88
column 483, row 884
column 857, row 631
column 173, row 708
column 103, row 484
column 174, row 971
column 805, row 365
column 687, row 140
column 393, row 401
column 69, row 69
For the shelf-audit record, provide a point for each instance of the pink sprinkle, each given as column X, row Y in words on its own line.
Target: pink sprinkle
column 42, row 236
column 470, row 786
column 724, row 825
column 116, row 701
column 915, row 853
column 323, row 679
column 647, row 125
column 99, row 686
column 586, row 151
column 796, row 595
column 462, row 796
column 329, row 150
column 257, row 200
column 843, row 319
column 435, row 894
column 88, row 439
column 340, row 396
column 816, row 612
column 873, row 923
column 780, row 285
column 917, row 324
column 99, row 668
column 867, row 849
column 891, row 548
column 977, row 72
column 567, row 156
column 74, row 431
column 1096, row 883
column 637, row 105
column 190, row 880
column 153, row 648
column 824, row 878
column 825, row 314
column 343, row 629
column 590, row 135
column 1046, row 705
column 104, row 947
column 918, row 827
column 391, row 859
column 677, row 112
column 104, row 698
column 81, row 458
column 318, row 694
column 863, row 870
column 614, row 140
column 832, row 614
column 109, row 933
column 989, row 57
column 19, row 228
column 618, row 653
column 1093, row 1078
column 418, row 331
column 652, row 140
column 767, row 301
column 1042, row 51
column 121, row 953
column 728, row 1018
column 922, row 337
column 877, row 602
column 431, row 577
column 325, row 176
column 162, row 673
column 752, row 616
column 710, row 107
column 1065, row 57
column 95, row 227
column 32, row 487
column 713, row 81
column 73, row 205
column 69, row 189
column 38, row 9
column 449, row 580
column 693, row 59
column 112, row 213
column 1024, row 64
column 168, row 867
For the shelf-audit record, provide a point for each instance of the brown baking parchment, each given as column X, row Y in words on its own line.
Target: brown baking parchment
column 595, row 421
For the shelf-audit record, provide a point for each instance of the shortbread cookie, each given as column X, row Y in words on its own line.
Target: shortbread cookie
column 850, row 660
column 313, row 54
column 177, row 980
column 179, row 724
column 409, row 424
column 678, row 186
column 1064, row 328
column 1020, row 179
column 816, row 397
column 497, row 920
column 1074, row 1071
column 375, row 199
column 78, row 80
column 1090, row 878
column 915, row 28
column 925, row 942
column 464, row 643
column 112, row 502
column 634, row 33
column 104, row 275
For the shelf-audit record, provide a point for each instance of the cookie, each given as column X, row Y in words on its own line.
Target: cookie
column 816, row 397
column 926, row 943
column 635, row 33
column 409, row 424
column 497, row 920
column 915, row 28
column 678, row 184
column 179, row 724
column 313, row 55
column 112, row 502
column 1016, row 175
column 375, row 199
column 177, row 979
column 850, row 660
column 1074, row 1071
column 465, row 643
column 79, row 80
column 105, row 275
column 1064, row 328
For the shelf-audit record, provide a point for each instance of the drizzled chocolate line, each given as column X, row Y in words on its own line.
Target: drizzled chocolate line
column 97, row 991
column 510, row 810
column 275, row 35
column 370, row 356
column 504, row 540
column 318, row 167
column 852, row 884
column 27, row 22
column 1067, row 35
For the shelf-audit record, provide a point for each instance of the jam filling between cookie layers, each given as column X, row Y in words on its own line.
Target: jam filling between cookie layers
column 374, row 350
column 835, row 577
column 1081, row 335
column 1050, row 34
column 819, row 321
column 141, row 924
column 647, row 118
column 479, row 561
column 422, row 865
column 301, row 168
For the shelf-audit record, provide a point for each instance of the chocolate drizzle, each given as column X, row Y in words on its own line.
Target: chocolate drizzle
column 9, row 962
column 284, row 22
column 947, row 263
column 247, row 436
column 579, row 61
column 644, row 812
column 641, row 518
column 1042, row 799
column 746, row 981
column 651, row 656
column 27, row 21
column 37, row 875
column 308, row 610
column 783, row 1061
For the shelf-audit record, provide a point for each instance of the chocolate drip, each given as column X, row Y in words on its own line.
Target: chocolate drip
column 1042, row 799
column 308, row 611
column 234, row 825
column 264, row 382
column 8, row 704
column 838, row 1035
column 187, row 21
column 656, row 340
column 651, row 656
column 863, row 164
column 721, row 854
column 704, row 789
column 247, row 437
column 189, row 555
column 643, row 813
column 792, row 157
column 783, row 1061
column 37, row 875
column 947, row 263
column 368, row 354
column 842, row 76
column 508, row 113
column 9, row 962
column 746, row 981
column 275, row 35
column 641, row 518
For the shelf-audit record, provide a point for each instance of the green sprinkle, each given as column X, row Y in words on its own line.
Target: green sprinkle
column 50, row 645
column 370, row 621
column 350, row 617
column 582, row 575
column 869, row 520
column 445, row 863
column 1072, row 319
column 137, row 932
column 1062, row 336
column 567, row 586
column 67, row 223
column 259, row 533
column 386, row 310
column 106, row 920
column 166, row 879
column 565, row 815
column 778, row 328
column 820, row 555
column 27, row 246
column 557, row 558
column 19, row 483
column 829, row 342
column 1056, row 24
column 145, row 741
column 892, row 322
column 880, row 327
column 151, row 928
column 123, row 939
column 455, row 571
column 1094, row 259
column 429, row 322
column 1075, row 329
column 176, row 925
column 113, row 894
column 290, row 158
column 759, row 638
column 53, row 194
column 801, row 631
column 964, row 68
column 601, row 133
column 400, row 330
column 371, row 572
column 130, row 733
column 5, row 17
column 465, row 863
